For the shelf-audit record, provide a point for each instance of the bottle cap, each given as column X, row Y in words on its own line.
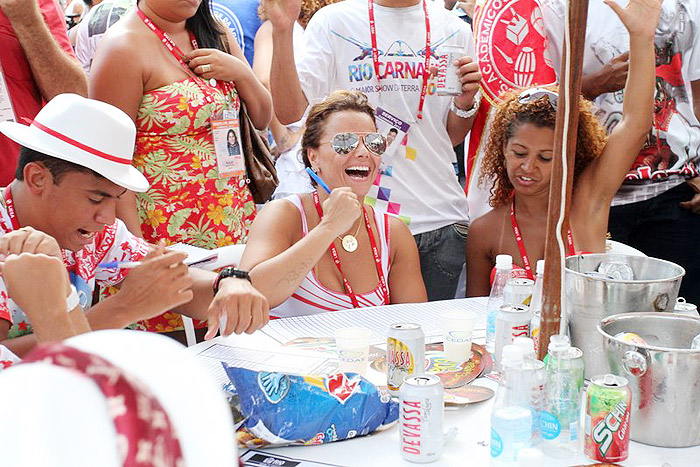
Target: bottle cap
column 512, row 356
column 504, row 262
column 558, row 343
column 540, row 267
column 525, row 344
column 530, row 457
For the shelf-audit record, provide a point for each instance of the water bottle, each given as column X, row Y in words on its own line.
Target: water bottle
column 537, row 378
column 561, row 415
column 536, row 305
column 511, row 418
column 504, row 265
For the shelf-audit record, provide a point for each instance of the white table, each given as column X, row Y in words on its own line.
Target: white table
column 470, row 447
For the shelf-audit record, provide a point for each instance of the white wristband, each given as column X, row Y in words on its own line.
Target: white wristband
column 73, row 299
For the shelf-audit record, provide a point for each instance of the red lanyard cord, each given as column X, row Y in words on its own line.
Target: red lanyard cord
column 375, row 53
column 375, row 254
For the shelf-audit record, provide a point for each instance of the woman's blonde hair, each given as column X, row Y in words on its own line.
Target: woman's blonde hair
column 511, row 114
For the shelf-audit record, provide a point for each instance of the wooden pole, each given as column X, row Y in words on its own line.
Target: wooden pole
column 561, row 184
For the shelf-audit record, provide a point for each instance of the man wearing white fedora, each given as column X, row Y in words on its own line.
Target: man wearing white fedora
column 74, row 164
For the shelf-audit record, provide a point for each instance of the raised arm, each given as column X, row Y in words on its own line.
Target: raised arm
column 405, row 278
column 54, row 71
column 277, row 266
column 287, row 96
column 604, row 176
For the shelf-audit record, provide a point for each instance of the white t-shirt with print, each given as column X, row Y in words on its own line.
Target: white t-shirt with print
column 420, row 186
column 675, row 148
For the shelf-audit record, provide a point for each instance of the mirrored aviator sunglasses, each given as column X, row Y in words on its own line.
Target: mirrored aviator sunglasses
column 532, row 94
column 345, row 143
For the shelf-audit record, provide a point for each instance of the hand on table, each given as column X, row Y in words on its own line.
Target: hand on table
column 245, row 309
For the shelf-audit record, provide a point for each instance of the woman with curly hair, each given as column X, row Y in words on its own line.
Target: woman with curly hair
column 518, row 162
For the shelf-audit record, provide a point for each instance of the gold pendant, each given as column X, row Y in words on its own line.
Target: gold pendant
column 349, row 243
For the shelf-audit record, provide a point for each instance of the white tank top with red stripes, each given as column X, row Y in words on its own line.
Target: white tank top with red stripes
column 313, row 297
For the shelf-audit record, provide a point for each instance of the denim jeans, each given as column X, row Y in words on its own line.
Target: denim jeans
column 442, row 253
column 660, row 228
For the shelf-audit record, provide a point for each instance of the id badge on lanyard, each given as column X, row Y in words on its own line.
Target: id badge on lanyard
column 226, row 131
column 7, row 114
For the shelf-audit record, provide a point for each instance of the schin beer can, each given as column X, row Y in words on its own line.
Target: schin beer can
column 448, row 83
column 405, row 353
column 607, row 426
column 420, row 418
column 519, row 292
column 511, row 321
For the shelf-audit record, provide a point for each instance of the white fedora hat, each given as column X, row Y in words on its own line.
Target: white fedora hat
column 90, row 133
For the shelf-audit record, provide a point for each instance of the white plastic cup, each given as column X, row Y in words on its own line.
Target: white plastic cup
column 457, row 329
column 352, row 345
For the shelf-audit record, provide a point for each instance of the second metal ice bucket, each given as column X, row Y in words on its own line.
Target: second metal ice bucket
column 590, row 299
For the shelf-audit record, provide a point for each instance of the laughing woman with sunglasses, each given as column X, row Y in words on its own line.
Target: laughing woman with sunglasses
column 518, row 163
column 317, row 252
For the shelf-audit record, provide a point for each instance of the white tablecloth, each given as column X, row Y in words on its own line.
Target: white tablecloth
column 470, row 447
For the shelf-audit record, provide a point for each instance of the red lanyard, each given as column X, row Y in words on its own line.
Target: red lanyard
column 11, row 208
column 375, row 53
column 375, row 254
column 178, row 53
column 521, row 243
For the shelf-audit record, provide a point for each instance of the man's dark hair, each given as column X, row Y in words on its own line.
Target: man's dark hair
column 394, row 130
column 57, row 167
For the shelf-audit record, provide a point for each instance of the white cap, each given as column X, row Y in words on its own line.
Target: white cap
column 525, row 344
column 558, row 343
column 504, row 262
column 530, row 457
column 512, row 356
column 540, row 267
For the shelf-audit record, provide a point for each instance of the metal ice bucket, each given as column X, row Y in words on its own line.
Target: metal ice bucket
column 590, row 299
column 664, row 375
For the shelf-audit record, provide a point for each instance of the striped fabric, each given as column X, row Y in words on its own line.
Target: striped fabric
column 312, row 297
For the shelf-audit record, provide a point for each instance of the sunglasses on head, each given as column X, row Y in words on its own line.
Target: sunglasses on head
column 532, row 94
column 345, row 143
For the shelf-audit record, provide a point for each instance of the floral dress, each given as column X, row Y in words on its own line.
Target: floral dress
column 188, row 201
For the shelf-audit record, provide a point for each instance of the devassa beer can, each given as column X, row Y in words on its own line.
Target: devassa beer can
column 405, row 353
column 519, row 292
column 511, row 321
column 607, row 426
column 448, row 83
column 421, row 418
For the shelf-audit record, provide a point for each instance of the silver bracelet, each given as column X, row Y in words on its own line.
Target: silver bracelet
column 470, row 112
column 73, row 299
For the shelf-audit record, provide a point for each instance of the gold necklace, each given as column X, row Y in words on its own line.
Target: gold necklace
column 349, row 242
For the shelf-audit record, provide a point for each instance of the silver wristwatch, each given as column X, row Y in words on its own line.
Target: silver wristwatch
column 470, row 112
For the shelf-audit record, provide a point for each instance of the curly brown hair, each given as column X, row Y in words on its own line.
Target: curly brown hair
column 510, row 115
column 308, row 9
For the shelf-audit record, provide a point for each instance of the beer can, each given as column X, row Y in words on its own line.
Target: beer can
column 684, row 308
column 448, row 83
column 519, row 292
column 421, row 418
column 607, row 427
column 405, row 353
column 512, row 321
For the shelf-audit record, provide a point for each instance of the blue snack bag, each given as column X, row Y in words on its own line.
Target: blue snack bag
column 282, row 409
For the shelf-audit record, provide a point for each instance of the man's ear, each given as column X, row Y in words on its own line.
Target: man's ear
column 37, row 177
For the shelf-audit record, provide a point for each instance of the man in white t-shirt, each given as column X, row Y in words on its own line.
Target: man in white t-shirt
column 657, row 209
column 418, row 184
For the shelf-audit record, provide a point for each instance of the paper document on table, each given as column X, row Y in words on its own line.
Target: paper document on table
column 284, row 361
column 253, row 458
column 196, row 256
column 377, row 320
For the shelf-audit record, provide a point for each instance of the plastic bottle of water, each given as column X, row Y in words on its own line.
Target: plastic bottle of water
column 536, row 305
column 561, row 415
column 537, row 379
column 511, row 418
column 504, row 265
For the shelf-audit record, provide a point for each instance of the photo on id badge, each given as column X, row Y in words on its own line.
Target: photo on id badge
column 227, row 145
column 394, row 130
